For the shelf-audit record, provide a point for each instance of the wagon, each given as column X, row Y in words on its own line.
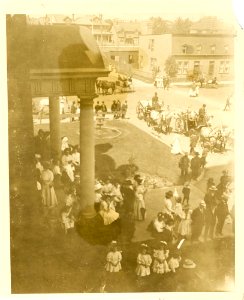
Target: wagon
column 143, row 109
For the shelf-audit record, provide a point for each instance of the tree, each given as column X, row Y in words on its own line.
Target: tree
column 181, row 26
column 159, row 26
column 171, row 66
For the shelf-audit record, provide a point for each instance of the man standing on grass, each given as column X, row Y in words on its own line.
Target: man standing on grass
column 184, row 164
column 196, row 166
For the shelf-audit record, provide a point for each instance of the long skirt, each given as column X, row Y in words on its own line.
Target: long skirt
column 49, row 198
column 139, row 208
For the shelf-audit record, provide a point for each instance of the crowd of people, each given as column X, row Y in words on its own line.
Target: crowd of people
column 118, row 109
column 177, row 220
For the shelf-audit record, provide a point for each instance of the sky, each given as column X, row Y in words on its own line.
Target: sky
column 129, row 9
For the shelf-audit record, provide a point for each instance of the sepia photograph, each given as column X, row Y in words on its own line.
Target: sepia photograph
column 121, row 120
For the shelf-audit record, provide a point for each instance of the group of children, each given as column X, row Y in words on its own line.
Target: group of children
column 161, row 261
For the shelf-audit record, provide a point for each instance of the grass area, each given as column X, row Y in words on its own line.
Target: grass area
column 151, row 156
column 50, row 262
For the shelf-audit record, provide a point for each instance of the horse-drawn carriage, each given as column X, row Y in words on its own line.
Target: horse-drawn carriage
column 164, row 120
column 115, row 83
column 216, row 139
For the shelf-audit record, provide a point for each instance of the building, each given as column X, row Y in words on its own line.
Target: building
column 100, row 29
column 207, row 49
column 211, row 55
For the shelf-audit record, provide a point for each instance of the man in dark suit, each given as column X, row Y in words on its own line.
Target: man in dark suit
column 184, row 164
column 210, row 220
column 198, row 220
column 128, row 194
column 196, row 166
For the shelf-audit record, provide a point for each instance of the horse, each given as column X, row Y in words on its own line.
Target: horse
column 105, row 86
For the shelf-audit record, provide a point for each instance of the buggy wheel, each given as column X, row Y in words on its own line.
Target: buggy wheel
column 179, row 125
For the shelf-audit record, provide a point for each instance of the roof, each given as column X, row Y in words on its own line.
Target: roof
column 127, row 26
column 210, row 24
column 53, row 47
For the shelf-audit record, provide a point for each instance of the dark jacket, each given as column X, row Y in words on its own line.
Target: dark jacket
column 184, row 162
column 196, row 163
column 198, row 216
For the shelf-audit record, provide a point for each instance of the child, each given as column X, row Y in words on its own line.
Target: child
column 184, row 228
column 210, row 183
column 186, row 193
column 57, row 173
column 179, row 214
column 160, row 265
column 114, row 258
column 174, row 261
column 144, row 262
column 67, row 219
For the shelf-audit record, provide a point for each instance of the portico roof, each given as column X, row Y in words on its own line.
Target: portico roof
column 62, row 47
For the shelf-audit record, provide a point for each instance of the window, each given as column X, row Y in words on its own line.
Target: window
column 151, row 44
column 182, row 67
column 211, row 68
column 196, row 66
column 153, row 63
column 184, row 49
column 224, row 67
column 212, row 49
column 198, row 49
column 112, row 57
column 130, row 59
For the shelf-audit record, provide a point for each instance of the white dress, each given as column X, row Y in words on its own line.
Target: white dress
column 174, row 263
column 144, row 262
column 113, row 261
column 67, row 220
column 49, row 198
column 139, row 202
column 176, row 147
column 108, row 214
column 160, row 265
column 184, row 228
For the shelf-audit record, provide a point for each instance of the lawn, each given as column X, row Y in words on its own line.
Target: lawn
column 45, row 262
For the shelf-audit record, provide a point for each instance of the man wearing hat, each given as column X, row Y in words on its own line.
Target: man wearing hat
column 184, row 164
column 210, row 196
column 128, row 195
column 210, row 220
column 198, row 220
column 195, row 166
column 222, row 212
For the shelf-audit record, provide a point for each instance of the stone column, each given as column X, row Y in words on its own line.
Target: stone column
column 87, row 158
column 54, row 118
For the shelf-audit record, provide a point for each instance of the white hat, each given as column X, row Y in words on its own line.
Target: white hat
column 98, row 186
column 189, row 264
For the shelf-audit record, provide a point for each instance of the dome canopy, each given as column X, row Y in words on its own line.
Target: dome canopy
column 62, row 47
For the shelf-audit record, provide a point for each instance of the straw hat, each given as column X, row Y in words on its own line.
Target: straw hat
column 98, row 186
column 189, row 264
column 213, row 188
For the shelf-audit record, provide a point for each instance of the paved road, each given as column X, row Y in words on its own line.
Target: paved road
column 177, row 97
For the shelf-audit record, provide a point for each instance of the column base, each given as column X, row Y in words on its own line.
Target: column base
column 88, row 212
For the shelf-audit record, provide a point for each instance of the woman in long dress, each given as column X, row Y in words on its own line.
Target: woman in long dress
column 176, row 147
column 184, row 228
column 108, row 214
column 139, row 205
column 49, row 198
